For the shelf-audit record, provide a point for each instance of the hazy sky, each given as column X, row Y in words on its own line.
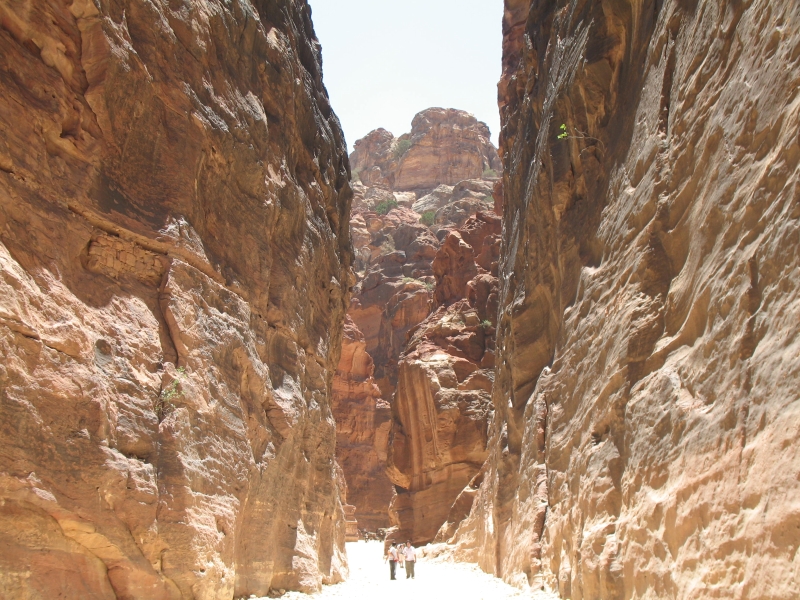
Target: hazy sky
column 385, row 60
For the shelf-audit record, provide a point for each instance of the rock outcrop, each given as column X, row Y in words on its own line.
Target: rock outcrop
column 396, row 234
column 646, row 412
column 174, row 255
column 445, row 146
column 441, row 410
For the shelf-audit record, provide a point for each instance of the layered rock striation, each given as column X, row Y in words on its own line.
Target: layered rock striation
column 362, row 428
column 174, row 255
column 643, row 443
column 441, row 410
column 396, row 235
column 445, row 146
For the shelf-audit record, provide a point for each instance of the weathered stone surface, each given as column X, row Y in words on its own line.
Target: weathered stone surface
column 362, row 428
column 437, row 442
column 646, row 408
column 440, row 412
column 453, row 205
column 464, row 254
column 174, row 248
column 445, row 146
column 395, row 257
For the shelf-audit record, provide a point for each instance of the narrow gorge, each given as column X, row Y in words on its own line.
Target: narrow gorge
column 229, row 347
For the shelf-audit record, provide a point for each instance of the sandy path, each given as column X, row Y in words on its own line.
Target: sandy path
column 435, row 580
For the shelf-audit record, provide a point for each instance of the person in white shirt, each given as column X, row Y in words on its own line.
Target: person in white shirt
column 393, row 557
column 411, row 557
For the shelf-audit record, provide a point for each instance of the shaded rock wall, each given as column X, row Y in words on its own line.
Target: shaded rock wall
column 644, row 439
column 395, row 253
column 362, row 428
column 174, row 247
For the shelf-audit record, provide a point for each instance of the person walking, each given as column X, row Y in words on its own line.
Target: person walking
column 393, row 557
column 411, row 557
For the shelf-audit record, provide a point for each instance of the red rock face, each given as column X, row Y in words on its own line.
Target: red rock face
column 448, row 146
column 174, row 251
column 362, row 428
column 643, row 443
column 437, row 443
column 444, row 147
column 395, row 255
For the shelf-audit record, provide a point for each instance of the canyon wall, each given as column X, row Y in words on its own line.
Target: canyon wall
column 362, row 428
column 174, row 255
column 441, row 410
column 644, row 443
column 403, row 248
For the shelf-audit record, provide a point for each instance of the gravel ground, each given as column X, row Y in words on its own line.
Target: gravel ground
column 436, row 579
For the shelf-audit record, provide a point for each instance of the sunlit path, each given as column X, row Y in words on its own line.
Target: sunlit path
column 369, row 578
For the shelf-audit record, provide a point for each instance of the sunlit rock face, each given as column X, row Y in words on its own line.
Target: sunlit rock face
column 175, row 255
column 396, row 235
column 441, row 410
column 646, row 407
column 445, row 146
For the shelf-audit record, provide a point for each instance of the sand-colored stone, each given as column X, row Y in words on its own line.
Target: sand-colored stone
column 644, row 443
column 174, row 260
column 444, row 147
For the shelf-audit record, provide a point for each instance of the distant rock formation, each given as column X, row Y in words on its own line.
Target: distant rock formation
column 445, row 146
column 396, row 236
column 441, row 409
column 174, row 265
column 644, row 439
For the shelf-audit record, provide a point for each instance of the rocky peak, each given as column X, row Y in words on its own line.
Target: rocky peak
column 444, row 146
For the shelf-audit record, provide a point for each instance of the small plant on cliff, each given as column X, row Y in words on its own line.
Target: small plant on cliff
column 577, row 135
column 489, row 172
column 164, row 404
column 486, row 323
column 429, row 286
column 355, row 175
column 400, row 148
column 428, row 217
column 384, row 206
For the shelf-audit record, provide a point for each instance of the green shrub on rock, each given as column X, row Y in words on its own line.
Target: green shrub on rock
column 400, row 148
column 384, row 206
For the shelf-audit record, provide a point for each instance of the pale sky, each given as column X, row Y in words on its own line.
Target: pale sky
column 384, row 61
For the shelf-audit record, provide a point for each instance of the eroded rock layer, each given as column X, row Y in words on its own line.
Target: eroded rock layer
column 174, row 205
column 644, row 439
column 362, row 428
column 441, row 410
column 397, row 234
column 444, row 146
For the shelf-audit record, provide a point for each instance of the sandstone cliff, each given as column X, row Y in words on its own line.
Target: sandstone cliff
column 644, row 443
column 444, row 146
column 362, row 428
column 396, row 235
column 174, row 205
column 438, row 438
